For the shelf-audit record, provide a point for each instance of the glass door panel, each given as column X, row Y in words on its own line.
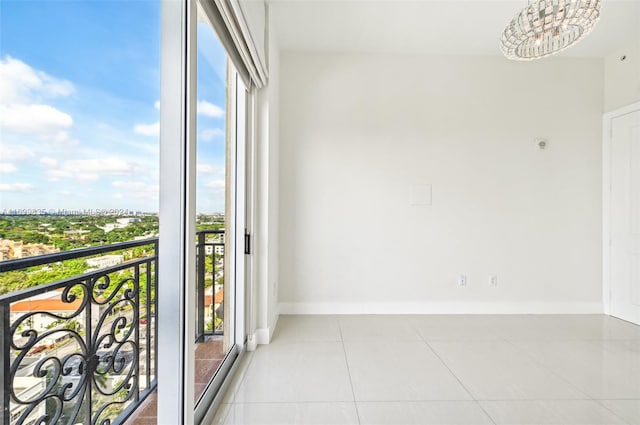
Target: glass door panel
column 220, row 140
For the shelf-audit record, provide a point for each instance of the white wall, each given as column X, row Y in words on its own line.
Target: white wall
column 274, row 179
column 357, row 131
column 267, row 200
column 622, row 77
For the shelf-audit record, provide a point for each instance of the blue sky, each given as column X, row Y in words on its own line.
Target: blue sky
column 79, row 107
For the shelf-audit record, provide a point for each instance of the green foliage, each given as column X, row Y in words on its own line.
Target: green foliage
column 61, row 244
column 35, row 276
column 72, row 232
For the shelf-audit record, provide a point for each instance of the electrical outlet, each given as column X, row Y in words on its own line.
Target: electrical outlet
column 493, row 280
column 462, row 280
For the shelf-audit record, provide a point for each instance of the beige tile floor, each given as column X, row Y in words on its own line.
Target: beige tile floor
column 561, row 370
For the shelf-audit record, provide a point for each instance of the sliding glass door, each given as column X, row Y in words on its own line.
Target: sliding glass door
column 203, row 208
column 220, row 214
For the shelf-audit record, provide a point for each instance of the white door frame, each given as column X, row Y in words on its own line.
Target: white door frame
column 606, row 199
column 238, row 205
column 176, row 256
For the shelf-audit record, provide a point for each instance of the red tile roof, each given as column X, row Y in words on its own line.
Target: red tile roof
column 218, row 299
column 45, row 305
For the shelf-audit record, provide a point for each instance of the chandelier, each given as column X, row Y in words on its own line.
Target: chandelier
column 546, row 27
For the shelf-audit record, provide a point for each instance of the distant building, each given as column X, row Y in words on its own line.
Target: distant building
column 219, row 249
column 10, row 250
column 105, row 261
column 120, row 223
column 213, row 304
column 26, row 388
column 52, row 304
column 77, row 233
column 128, row 220
column 4, row 253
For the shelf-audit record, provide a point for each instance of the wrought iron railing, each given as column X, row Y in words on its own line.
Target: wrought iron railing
column 209, row 283
column 81, row 349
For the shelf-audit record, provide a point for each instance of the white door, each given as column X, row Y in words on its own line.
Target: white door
column 625, row 217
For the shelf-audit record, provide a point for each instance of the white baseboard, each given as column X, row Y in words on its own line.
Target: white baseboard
column 263, row 336
column 274, row 322
column 444, row 308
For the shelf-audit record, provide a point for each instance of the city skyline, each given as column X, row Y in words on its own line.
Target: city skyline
column 79, row 107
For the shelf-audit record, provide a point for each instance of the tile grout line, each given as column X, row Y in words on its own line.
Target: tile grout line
column 444, row 400
column 458, row 379
column 599, row 402
column 346, row 361
column 562, row 378
column 507, row 340
column 547, row 368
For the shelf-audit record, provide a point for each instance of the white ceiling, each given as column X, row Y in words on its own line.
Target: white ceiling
column 451, row 27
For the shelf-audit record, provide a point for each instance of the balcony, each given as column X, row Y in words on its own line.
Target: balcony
column 82, row 349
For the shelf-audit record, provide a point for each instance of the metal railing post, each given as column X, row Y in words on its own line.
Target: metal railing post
column 200, row 297
column 5, row 388
column 155, row 311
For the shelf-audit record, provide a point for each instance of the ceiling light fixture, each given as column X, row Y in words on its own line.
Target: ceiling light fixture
column 546, row 27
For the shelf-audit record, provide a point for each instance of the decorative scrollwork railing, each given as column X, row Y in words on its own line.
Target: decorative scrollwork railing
column 81, row 350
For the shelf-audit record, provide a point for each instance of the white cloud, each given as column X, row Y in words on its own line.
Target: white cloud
column 136, row 189
column 16, row 187
column 16, row 153
column 89, row 170
column 157, row 105
column 87, row 177
column 35, row 119
column 152, row 148
column 205, row 168
column 48, row 162
column 23, row 92
column 20, row 83
column 57, row 175
column 127, row 184
column 147, row 129
column 63, row 137
column 215, row 184
column 211, row 133
column 208, row 109
column 6, row 167
column 110, row 165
